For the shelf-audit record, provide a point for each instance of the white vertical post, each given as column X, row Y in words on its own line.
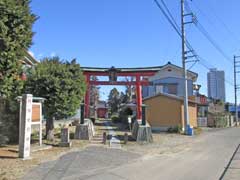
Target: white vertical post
column 25, row 126
column 20, row 114
column 40, row 126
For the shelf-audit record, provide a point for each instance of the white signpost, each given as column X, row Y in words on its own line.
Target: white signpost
column 25, row 126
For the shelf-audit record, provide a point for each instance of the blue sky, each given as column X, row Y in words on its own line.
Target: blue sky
column 133, row 33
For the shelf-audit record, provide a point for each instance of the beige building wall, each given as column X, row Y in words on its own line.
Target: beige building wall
column 164, row 111
column 192, row 110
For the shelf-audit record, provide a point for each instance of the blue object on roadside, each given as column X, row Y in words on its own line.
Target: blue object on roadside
column 190, row 131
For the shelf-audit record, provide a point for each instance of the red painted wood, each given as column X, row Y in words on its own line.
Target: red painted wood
column 145, row 73
column 138, row 83
column 119, row 83
column 139, row 98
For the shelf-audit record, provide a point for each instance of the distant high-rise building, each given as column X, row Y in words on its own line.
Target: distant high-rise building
column 216, row 84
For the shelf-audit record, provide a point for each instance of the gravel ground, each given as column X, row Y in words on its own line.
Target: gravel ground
column 11, row 167
column 162, row 143
column 82, row 164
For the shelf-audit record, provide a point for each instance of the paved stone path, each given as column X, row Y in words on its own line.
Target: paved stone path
column 88, row 164
column 114, row 142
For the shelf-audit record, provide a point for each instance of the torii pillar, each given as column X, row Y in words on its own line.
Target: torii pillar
column 139, row 97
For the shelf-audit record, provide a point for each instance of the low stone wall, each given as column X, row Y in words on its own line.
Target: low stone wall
column 220, row 120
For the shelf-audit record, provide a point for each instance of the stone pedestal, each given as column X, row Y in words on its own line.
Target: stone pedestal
column 142, row 133
column 85, row 131
column 65, row 138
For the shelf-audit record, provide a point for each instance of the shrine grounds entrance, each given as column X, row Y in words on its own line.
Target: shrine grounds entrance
column 140, row 76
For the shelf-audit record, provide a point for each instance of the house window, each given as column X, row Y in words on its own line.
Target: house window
column 172, row 89
column 166, row 88
column 159, row 89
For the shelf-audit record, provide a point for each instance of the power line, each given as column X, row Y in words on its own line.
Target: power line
column 212, row 41
column 209, row 38
column 207, row 35
column 168, row 18
column 173, row 23
column 170, row 14
column 230, row 32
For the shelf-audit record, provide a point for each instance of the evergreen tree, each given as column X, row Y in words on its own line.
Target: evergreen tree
column 61, row 84
column 16, row 20
column 114, row 100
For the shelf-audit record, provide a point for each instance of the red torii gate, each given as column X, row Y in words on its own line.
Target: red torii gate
column 140, row 75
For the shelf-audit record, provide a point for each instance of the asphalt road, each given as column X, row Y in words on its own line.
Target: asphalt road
column 213, row 155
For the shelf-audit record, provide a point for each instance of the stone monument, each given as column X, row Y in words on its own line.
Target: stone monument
column 25, row 126
column 84, row 130
column 65, row 138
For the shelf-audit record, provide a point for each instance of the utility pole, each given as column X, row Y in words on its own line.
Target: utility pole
column 184, row 61
column 186, row 115
column 236, row 87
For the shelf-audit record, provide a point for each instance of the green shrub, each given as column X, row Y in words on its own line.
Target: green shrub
column 197, row 130
column 9, row 121
column 220, row 121
column 128, row 111
column 174, row 129
column 115, row 119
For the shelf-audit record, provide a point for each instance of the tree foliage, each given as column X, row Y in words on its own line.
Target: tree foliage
column 94, row 97
column 114, row 100
column 16, row 20
column 61, row 83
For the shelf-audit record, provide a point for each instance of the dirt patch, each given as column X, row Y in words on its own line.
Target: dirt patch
column 11, row 167
column 163, row 143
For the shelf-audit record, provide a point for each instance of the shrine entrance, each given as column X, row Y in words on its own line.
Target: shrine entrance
column 140, row 76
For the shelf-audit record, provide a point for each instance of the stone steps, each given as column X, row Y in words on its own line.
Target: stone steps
column 97, row 139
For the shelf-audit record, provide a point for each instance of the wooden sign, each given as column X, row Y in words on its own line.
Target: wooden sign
column 36, row 112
